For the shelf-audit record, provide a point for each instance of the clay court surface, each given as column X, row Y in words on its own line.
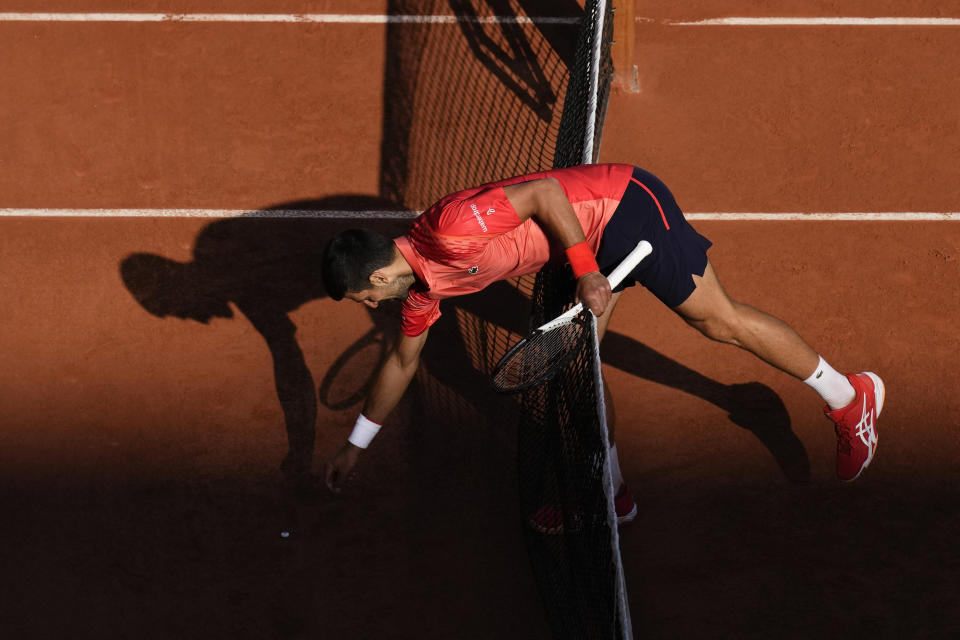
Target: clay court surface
column 140, row 455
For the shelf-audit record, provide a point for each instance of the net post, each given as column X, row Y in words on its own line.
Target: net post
column 625, row 75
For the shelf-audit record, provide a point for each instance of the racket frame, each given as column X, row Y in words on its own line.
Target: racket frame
column 628, row 264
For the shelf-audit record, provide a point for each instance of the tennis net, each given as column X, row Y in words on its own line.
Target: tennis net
column 565, row 482
column 494, row 93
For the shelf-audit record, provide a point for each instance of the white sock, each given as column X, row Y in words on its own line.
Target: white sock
column 832, row 386
column 615, row 468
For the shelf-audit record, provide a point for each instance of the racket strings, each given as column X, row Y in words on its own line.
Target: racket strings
column 540, row 357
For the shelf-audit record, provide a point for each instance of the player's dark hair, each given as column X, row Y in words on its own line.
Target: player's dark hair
column 350, row 257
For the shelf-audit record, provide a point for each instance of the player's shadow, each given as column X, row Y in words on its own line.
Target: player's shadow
column 267, row 264
column 753, row 406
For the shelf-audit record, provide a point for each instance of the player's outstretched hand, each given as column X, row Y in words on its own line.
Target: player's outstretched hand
column 594, row 290
column 338, row 468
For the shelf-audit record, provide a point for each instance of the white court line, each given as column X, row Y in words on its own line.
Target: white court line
column 205, row 213
column 900, row 216
column 817, row 22
column 320, row 18
column 361, row 18
column 895, row 216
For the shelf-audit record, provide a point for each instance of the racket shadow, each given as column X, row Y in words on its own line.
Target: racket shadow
column 354, row 357
column 752, row 406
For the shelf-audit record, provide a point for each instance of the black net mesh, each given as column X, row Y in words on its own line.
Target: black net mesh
column 471, row 101
column 563, row 494
column 577, row 114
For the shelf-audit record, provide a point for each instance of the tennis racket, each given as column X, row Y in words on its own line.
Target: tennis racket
column 540, row 355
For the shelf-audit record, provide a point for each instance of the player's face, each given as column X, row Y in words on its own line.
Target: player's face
column 398, row 289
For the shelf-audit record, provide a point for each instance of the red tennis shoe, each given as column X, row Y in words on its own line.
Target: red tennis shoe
column 856, row 425
column 549, row 520
column 552, row 520
column 625, row 505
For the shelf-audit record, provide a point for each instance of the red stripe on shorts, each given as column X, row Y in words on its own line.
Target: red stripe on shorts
column 662, row 215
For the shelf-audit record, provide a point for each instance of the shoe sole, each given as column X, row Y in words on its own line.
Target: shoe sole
column 879, row 393
column 628, row 517
column 558, row 529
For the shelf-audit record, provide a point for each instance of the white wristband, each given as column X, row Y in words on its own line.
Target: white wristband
column 363, row 432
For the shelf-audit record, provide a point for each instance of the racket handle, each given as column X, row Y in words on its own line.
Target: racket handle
column 641, row 251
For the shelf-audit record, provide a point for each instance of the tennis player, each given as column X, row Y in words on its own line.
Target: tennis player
column 590, row 216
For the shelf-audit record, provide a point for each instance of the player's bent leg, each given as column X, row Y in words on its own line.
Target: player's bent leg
column 717, row 316
column 604, row 320
column 720, row 318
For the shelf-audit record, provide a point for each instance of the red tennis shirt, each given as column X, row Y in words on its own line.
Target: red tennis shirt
column 473, row 238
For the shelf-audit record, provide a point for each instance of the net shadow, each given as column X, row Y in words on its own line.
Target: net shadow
column 472, row 101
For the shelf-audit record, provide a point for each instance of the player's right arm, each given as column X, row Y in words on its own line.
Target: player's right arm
column 546, row 201
column 391, row 382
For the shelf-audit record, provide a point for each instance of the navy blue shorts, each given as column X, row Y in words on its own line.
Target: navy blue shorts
column 649, row 212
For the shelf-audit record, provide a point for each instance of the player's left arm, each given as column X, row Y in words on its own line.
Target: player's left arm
column 545, row 201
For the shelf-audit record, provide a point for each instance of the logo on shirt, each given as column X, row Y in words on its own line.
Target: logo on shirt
column 473, row 270
column 476, row 214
